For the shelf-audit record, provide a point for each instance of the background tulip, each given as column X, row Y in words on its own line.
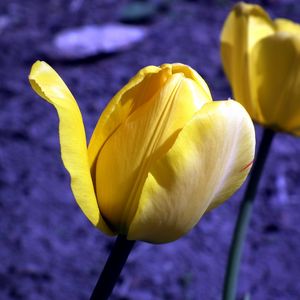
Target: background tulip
column 162, row 154
column 261, row 59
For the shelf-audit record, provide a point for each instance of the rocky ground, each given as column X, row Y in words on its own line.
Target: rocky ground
column 48, row 249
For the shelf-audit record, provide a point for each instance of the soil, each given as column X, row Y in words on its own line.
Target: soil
column 48, row 249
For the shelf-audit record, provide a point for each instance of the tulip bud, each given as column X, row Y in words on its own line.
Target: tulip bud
column 261, row 59
column 161, row 155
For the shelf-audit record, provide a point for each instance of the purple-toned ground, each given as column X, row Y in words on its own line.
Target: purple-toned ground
column 48, row 249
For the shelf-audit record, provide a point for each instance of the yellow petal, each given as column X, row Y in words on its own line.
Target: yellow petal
column 190, row 73
column 285, row 25
column 138, row 91
column 121, row 105
column 47, row 83
column 243, row 28
column 275, row 77
column 209, row 160
column 147, row 134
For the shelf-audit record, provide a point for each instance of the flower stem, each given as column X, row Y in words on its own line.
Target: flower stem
column 112, row 268
column 243, row 220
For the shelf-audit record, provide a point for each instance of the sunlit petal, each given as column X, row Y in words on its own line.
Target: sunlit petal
column 209, row 160
column 200, row 87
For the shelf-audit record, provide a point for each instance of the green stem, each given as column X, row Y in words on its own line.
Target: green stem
column 242, row 223
column 112, row 268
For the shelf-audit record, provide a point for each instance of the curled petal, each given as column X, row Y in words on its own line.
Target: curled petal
column 47, row 83
column 190, row 73
column 275, row 78
column 209, row 160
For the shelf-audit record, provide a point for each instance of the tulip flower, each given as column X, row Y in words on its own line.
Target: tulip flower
column 162, row 153
column 261, row 59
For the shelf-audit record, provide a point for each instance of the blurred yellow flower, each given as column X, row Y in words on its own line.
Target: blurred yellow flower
column 261, row 59
column 162, row 153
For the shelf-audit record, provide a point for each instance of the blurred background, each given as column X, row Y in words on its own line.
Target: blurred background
column 48, row 249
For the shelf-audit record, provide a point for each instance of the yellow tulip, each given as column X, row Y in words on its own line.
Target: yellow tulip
column 261, row 59
column 162, row 153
